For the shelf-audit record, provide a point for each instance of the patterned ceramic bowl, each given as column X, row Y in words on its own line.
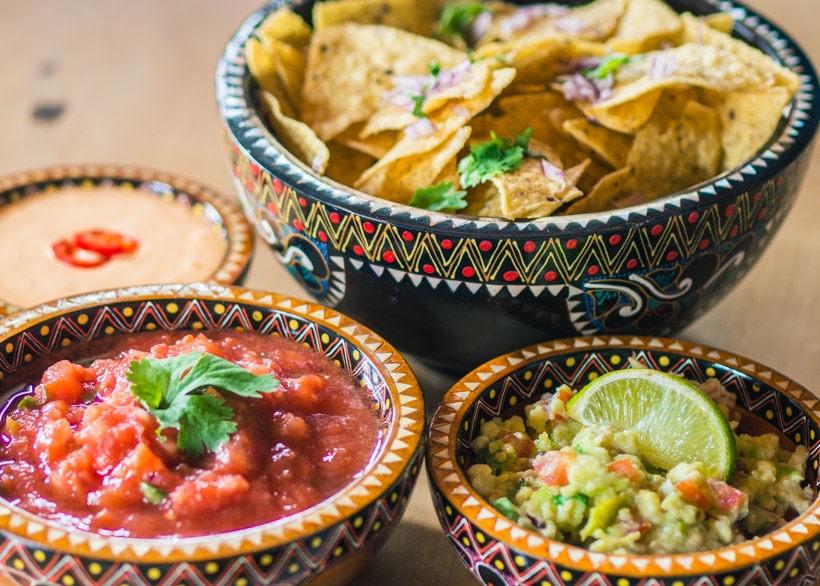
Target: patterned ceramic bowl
column 326, row 544
column 185, row 231
column 458, row 290
column 500, row 552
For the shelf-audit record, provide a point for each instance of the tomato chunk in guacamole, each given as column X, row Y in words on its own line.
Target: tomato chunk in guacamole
column 81, row 448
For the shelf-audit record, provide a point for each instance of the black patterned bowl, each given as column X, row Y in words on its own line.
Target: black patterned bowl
column 499, row 552
column 325, row 544
column 458, row 290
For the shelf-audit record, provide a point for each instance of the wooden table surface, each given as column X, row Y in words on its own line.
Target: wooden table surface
column 116, row 81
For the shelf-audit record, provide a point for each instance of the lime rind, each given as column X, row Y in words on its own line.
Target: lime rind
column 676, row 421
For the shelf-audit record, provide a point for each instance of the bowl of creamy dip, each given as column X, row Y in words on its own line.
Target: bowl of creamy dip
column 68, row 230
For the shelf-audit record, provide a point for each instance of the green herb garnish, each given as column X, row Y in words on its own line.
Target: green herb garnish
column 455, row 19
column 182, row 393
column 506, row 507
column 151, row 494
column 439, row 197
column 493, row 157
column 608, row 65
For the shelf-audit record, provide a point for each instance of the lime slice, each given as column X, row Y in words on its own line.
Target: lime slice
column 676, row 421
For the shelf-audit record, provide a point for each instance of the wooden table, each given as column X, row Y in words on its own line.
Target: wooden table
column 130, row 82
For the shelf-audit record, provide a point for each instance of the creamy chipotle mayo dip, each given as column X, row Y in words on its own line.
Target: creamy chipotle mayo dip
column 175, row 244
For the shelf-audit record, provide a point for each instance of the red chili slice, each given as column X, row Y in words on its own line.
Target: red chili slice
column 106, row 242
column 68, row 252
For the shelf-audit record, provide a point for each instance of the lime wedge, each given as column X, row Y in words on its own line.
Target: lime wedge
column 676, row 421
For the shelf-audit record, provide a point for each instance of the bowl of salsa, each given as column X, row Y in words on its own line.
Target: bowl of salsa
column 200, row 433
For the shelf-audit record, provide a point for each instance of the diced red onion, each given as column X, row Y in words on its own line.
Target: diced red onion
column 661, row 66
column 523, row 17
column 461, row 112
column 480, row 25
column 420, row 128
column 576, row 87
column 570, row 24
column 553, row 173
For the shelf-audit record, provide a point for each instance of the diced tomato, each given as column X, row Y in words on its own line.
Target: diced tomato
column 105, row 242
column 68, row 252
column 64, row 380
column 625, row 467
column 553, row 467
column 727, row 497
column 694, row 493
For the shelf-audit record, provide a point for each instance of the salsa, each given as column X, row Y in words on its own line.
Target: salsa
column 80, row 448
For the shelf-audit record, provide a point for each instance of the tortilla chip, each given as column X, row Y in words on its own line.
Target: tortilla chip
column 346, row 164
column 262, row 66
column 471, row 82
column 594, row 21
column 285, row 26
column 484, row 200
column 751, row 69
column 347, row 71
column 673, row 155
column 529, row 192
column 538, row 60
column 375, row 145
column 645, row 25
column 613, row 147
column 398, row 175
column 627, row 111
column 416, row 16
column 748, row 122
column 289, row 64
column 296, row 136
column 605, row 191
column 407, row 164
column 720, row 21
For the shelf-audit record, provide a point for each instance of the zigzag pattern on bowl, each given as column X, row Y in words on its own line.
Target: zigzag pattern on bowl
column 488, row 543
column 199, row 306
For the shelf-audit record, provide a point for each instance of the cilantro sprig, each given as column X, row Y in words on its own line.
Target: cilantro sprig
column 609, row 65
column 178, row 391
column 442, row 196
column 455, row 19
column 494, row 157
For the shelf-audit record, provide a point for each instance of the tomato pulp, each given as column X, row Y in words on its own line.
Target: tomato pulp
column 80, row 449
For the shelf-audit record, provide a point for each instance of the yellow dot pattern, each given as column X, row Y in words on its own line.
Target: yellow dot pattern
column 172, row 308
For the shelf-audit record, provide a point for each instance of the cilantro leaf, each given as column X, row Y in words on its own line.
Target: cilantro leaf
column 439, row 197
column 455, row 19
column 493, row 157
column 174, row 391
column 609, row 65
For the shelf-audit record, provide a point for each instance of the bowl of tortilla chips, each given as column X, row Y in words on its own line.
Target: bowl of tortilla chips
column 467, row 178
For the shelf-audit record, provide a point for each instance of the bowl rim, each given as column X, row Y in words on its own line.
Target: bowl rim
column 238, row 232
column 402, row 443
column 448, row 478
column 251, row 135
